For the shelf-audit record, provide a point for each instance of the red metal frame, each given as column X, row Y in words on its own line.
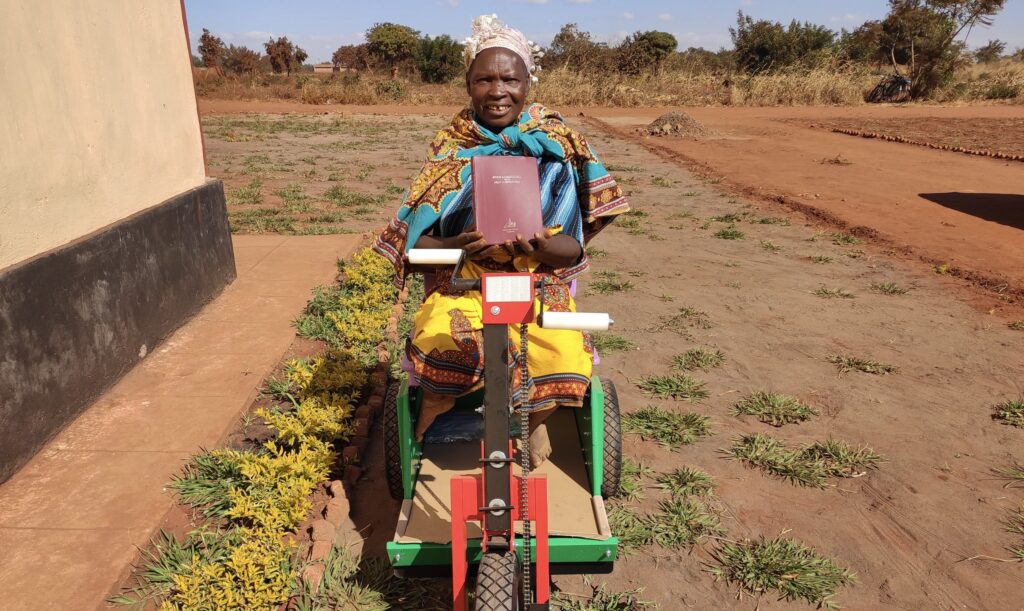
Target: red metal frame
column 466, row 499
column 508, row 312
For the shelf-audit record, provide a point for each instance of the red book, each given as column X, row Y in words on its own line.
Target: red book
column 506, row 198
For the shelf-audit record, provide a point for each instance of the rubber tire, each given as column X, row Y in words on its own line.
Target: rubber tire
column 392, row 450
column 497, row 585
column 612, row 441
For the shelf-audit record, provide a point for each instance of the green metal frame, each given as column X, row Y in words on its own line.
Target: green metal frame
column 562, row 550
column 590, row 425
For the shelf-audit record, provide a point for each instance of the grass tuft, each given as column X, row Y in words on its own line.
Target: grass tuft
column 836, row 293
column 786, row 566
column 610, row 282
column 676, row 386
column 249, row 195
column 844, row 239
column 698, row 358
column 1013, row 474
column 889, row 288
column 1017, row 325
column 594, row 253
column 821, row 259
column 774, row 409
column 602, row 600
column 683, row 522
column 670, row 429
column 846, row 363
column 684, row 481
column 730, row 233
column 208, row 481
column 810, row 465
column 605, row 342
column 770, row 246
column 631, row 478
column 685, row 318
column 1010, row 412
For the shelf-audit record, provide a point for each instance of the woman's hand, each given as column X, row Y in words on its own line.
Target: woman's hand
column 471, row 241
column 557, row 251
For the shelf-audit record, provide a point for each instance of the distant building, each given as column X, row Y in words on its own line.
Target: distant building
column 325, row 68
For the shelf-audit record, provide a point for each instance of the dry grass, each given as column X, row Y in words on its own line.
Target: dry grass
column 1010, row 412
column 774, row 409
column 846, row 363
column 811, row 465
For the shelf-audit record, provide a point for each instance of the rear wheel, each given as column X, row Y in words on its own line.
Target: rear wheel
column 612, row 460
column 392, row 450
column 496, row 583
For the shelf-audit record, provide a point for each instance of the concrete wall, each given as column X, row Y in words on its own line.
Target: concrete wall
column 97, row 117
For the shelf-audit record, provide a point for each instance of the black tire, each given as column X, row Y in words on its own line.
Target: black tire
column 496, row 583
column 612, row 441
column 392, row 451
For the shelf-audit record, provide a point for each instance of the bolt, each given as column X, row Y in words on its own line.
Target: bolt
column 495, row 310
column 607, row 553
column 398, row 557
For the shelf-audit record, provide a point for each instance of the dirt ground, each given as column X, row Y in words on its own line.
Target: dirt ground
column 912, row 529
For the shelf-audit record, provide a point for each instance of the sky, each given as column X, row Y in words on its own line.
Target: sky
column 321, row 26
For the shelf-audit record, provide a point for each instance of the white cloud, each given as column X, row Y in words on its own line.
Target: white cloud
column 665, row 17
column 847, row 18
column 538, row 1
column 453, row 3
column 628, row 15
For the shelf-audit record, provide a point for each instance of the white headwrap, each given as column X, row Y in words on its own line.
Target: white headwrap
column 489, row 31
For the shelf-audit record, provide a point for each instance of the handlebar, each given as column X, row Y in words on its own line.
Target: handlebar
column 579, row 321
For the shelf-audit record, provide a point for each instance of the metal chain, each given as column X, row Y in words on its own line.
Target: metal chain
column 524, row 459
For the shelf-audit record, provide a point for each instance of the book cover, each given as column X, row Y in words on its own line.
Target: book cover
column 506, row 197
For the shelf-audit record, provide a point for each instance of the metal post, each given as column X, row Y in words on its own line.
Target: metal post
column 497, row 390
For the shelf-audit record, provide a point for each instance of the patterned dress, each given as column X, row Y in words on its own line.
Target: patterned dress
column 578, row 198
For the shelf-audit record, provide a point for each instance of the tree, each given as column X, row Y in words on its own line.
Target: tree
column 922, row 35
column 284, row 55
column 392, row 44
column 197, row 62
column 211, row 49
column 643, row 51
column 241, row 60
column 863, row 44
column 439, row 59
column 356, row 57
column 990, row 52
column 764, row 46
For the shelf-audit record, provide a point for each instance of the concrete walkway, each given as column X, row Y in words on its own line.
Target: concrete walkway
column 72, row 519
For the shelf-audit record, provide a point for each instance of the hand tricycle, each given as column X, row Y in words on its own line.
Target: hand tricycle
column 469, row 495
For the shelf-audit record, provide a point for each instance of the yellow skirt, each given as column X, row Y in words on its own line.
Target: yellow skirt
column 447, row 347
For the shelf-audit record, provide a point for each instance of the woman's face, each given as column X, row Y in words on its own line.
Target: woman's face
column 498, row 83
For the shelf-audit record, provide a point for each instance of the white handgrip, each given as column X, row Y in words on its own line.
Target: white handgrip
column 435, row 256
column 579, row 321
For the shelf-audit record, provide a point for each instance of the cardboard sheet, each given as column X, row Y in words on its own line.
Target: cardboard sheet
column 572, row 511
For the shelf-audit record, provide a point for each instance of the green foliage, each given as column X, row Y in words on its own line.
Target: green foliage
column 677, row 386
column 439, row 59
column 774, row 409
column 241, row 60
column 391, row 43
column 645, row 51
column 284, row 55
column 211, row 50
column 846, row 363
column 730, row 233
column 1010, row 412
column 698, row 358
column 670, row 429
column 610, row 282
column 631, row 480
column 605, row 342
column 685, row 318
column 601, row 600
column 207, row 482
column 765, row 46
column 810, row 465
column 785, row 566
column 989, row 52
column 685, row 481
column 833, row 293
column 574, row 50
column 888, row 288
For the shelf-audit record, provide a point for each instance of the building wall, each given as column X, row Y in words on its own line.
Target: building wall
column 110, row 234
column 97, row 117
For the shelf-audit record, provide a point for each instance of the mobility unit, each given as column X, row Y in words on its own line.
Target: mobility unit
column 469, row 497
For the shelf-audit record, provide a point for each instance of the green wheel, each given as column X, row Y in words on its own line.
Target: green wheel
column 612, row 460
column 496, row 583
column 392, row 450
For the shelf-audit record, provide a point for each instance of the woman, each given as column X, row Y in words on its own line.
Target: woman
column 578, row 198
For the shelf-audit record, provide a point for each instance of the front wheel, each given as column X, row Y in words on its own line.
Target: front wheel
column 496, row 583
